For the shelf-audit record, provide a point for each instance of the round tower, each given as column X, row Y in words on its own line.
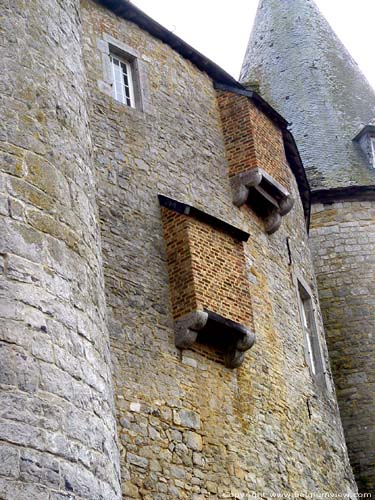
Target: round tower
column 57, row 426
column 304, row 70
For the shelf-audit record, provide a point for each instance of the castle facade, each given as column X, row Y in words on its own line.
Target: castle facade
column 331, row 108
column 161, row 332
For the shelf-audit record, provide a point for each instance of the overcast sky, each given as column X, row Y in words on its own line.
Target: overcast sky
column 220, row 28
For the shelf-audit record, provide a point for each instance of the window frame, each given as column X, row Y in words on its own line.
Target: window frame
column 372, row 146
column 313, row 352
column 126, row 95
column 111, row 47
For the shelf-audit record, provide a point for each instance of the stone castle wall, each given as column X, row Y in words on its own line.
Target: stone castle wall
column 57, row 426
column 189, row 427
column 343, row 246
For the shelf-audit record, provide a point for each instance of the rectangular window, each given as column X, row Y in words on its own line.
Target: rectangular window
column 313, row 353
column 124, row 74
column 123, row 86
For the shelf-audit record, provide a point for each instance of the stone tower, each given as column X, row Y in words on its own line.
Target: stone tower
column 304, row 70
column 57, row 429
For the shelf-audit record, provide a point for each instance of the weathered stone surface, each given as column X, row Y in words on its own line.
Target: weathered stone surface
column 343, row 246
column 186, row 418
column 56, row 396
column 180, row 144
column 193, row 441
column 38, row 468
column 9, row 461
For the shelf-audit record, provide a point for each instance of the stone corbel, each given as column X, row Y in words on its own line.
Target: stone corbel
column 236, row 353
column 188, row 327
column 276, row 199
column 272, row 222
column 241, row 184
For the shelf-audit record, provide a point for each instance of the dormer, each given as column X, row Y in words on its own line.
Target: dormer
column 366, row 141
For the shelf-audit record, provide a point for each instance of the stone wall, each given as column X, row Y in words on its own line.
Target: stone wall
column 57, row 426
column 343, row 246
column 189, row 427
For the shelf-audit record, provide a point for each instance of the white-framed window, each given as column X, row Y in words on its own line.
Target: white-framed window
column 305, row 308
column 123, row 83
column 373, row 151
column 312, row 348
column 124, row 75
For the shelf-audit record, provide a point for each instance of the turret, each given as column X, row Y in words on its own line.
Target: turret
column 57, row 426
column 304, row 70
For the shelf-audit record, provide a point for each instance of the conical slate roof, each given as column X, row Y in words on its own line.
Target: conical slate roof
column 306, row 73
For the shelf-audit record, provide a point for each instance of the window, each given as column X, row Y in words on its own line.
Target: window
column 124, row 75
column 313, row 353
column 366, row 141
column 123, row 86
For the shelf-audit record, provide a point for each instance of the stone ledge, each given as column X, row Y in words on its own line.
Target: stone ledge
column 185, row 209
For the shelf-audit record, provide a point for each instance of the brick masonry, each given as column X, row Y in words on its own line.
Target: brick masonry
column 343, row 246
column 190, row 428
column 57, row 426
column 206, row 269
column 252, row 140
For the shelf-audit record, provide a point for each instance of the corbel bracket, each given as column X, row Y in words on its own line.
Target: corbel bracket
column 232, row 338
column 264, row 194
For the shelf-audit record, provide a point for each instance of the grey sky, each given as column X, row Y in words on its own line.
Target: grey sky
column 220, row 29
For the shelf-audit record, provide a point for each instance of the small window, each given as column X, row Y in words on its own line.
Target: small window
column 123, row 83
column 124, row 76
column 366, row 141
column 313, row 353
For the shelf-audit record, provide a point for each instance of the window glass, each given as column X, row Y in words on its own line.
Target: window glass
column 313, row 353
column 123, row 90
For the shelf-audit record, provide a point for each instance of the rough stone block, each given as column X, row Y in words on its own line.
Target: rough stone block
column 193, row 441
column 187, row 418
column 38, row 468
column 9, row 461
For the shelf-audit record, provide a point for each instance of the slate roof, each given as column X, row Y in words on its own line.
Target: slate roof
column 307, row 74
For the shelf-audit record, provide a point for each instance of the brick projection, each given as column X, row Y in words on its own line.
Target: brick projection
column 206, row 269
column 251, row 139
column 190, row 428
column 343, row 245
column 57, row 425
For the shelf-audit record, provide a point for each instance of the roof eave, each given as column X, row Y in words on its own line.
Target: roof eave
column 368, row 129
